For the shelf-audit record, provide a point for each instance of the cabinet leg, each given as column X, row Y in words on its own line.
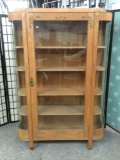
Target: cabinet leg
column 31, row 145
column 89, row 144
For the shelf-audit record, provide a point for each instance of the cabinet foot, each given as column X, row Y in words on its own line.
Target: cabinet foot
column 31, row 145
column 89, row 144
column 31, row 148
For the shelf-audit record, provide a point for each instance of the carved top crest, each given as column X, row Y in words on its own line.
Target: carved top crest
column 32, row 18
column 23, row 11
column 57, row 18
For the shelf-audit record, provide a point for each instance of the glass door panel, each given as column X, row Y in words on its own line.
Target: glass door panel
column 60, row 51
column 59, row 33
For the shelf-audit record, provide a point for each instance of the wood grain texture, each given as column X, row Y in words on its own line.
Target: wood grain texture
column 51, row 135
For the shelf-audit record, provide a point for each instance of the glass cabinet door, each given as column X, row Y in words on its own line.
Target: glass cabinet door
column 60, row 56
column 60, row 68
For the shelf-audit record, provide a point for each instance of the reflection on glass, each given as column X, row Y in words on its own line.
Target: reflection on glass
column 60, row 73
column 60, row 33
column 60, row 58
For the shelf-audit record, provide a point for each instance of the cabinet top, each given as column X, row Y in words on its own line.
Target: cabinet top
column 51, row 10
column 71, row 13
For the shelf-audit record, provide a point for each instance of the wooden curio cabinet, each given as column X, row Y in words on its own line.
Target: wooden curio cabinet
column 60, row 55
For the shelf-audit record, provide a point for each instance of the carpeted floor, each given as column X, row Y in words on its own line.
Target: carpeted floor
column 11, row 148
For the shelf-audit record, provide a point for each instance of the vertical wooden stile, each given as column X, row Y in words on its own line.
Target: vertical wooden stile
column 93, row 75
column 26, row 63
column 88, row 69
column 32, row 65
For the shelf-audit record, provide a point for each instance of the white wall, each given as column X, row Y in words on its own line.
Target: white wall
column 116, row 5
column 113, row 4
column 13, row 4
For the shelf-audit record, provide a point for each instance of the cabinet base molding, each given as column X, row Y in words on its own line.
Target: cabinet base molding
column 23, row 134
column 56, row 135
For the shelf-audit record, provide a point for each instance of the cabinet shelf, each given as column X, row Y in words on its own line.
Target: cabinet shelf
column 65, row 91
column 22, row 92
column 60, row 91
column 52, row 69
column 18, row 47
column 60, row 47
column 60, row 110
column 20, row 68
column 71, row 69
column 101, row 47
column 65, row 47
column 100, row 68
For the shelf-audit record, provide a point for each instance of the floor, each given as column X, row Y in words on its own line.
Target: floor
column 11, row 148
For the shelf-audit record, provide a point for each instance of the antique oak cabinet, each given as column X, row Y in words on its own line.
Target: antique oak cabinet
column 60, row 55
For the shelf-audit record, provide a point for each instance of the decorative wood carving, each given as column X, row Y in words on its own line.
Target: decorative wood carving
column 60, row 18
column 97, row 17
column 23, row 11
column 89, row 19
column 31, row 19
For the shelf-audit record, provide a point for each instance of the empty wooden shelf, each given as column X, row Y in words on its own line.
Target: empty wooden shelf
column 60, row 47
column 60, row 63
column 60, row 110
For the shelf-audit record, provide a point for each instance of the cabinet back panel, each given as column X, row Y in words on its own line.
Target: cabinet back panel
column 98, row 100
column 100, row 57
column 18, row 33
column 66, row 122
column 61, row 100
column 101, row 36
column 23, row 122
column 56, row 33
column 98, row 79
column 21, row 80
column 20, row 57
column 60, row 79
column 23, row 101
column 59, row 57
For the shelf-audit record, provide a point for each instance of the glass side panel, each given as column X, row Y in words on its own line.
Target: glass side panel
column 21, row 73
column 56, row 33
column 102, row 32
column 18, row 33
column 19, row 43
column 102, row 59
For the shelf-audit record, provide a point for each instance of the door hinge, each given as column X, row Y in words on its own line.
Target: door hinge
column 31, row 82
